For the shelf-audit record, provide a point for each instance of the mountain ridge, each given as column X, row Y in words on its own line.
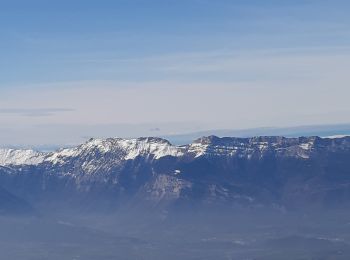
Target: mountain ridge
column 149, row 145
column 257, row 171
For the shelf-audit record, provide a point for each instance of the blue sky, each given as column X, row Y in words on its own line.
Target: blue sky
column 175, row 66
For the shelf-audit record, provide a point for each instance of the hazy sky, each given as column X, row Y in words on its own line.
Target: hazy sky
column 70, row 69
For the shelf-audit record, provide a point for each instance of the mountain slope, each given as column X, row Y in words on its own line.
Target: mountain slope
column 12, row 204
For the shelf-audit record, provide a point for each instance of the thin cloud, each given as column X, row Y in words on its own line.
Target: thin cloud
column 34, row 112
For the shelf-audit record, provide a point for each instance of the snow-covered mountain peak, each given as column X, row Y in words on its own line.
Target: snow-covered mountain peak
column 124, row 149
column 20, row 157
column 149, row 146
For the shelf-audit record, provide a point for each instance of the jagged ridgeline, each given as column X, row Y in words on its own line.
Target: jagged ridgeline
column 285, row 173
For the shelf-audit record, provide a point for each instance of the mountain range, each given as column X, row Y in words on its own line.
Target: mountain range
column 108, row 174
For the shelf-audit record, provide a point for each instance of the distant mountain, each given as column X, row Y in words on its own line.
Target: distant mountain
column 279, row 172
column 296, row 131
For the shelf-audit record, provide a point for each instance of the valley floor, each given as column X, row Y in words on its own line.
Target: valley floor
column 191, row 236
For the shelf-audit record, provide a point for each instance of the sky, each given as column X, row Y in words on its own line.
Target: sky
column 74, row 69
